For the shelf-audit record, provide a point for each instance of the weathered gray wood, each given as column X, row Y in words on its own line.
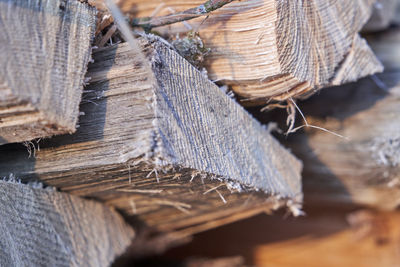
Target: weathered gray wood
column 365, row 168
column 43, row 227
column 45, row 48
column 166, row 144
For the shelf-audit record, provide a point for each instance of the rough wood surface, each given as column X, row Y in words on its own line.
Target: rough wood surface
column 268, row 49
column 365, row 168
column 43, row 227
column 385, row 12
column 45, row 48
column 166, row 145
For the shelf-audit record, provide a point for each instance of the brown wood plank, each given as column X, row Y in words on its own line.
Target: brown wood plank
column 45, row 48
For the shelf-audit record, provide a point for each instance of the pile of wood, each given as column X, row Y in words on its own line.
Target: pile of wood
column 100, row 119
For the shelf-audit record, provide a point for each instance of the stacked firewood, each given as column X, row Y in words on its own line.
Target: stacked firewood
column 124, row 124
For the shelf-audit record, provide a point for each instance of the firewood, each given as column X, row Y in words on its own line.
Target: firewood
column 365, row 167
column 164, row 144
column 274, row 50
column 45, row 48
column 43, row 227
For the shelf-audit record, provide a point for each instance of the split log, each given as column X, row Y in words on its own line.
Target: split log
column 365, row 168
column 164, row 144
column 274, row 50
column 384, row 13
column 43, row 227
column 45, row 48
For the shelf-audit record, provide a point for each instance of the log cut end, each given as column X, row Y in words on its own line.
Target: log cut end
column 45, row 48
column 317, row 42
column 275, row 50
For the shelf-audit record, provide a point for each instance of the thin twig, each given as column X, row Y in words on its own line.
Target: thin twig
column 186, row 24
column 148, row 23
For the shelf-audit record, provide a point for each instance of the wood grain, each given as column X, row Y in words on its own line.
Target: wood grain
column 43, row 227
column 274, row 50
column 45, row 48
column 363, row 169
column 166, row 145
